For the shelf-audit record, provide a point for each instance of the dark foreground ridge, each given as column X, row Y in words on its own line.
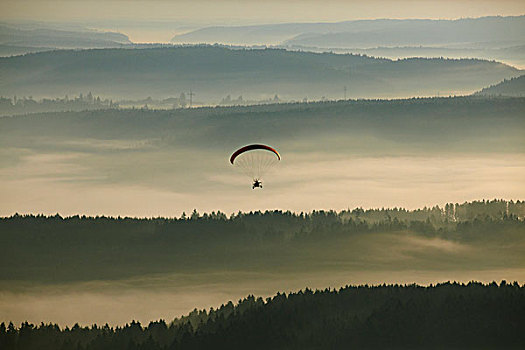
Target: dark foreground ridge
column 449, row 315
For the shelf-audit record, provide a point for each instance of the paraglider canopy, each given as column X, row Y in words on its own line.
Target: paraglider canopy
column 255, row 160
column 253, row 147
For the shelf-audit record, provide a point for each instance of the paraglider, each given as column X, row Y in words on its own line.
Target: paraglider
column 256, row 183
column 255, row 160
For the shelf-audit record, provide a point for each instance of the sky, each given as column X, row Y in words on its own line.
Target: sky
column 254, row 10
column 142, row 20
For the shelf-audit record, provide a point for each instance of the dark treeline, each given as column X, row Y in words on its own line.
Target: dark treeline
column 451, row 212
column 449, row 315
column 52, row 248
column 285, row 114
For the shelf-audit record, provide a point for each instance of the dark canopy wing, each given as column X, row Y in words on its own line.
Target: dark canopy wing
column 251, row 148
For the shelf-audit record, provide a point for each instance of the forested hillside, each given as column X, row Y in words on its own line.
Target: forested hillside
column 448, row 315
column 56, row 249
column 213, row 72
column 511, row 87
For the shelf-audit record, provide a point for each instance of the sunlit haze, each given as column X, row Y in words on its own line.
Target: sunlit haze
column 158, row 21
column 252, row 174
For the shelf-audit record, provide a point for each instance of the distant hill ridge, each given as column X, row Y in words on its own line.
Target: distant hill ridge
column 20, row 39
column 513, row 87
column 213, row 72
column 59, row 38
column 494, row 30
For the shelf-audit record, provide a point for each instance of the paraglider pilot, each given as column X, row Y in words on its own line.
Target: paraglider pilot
column 256, row 183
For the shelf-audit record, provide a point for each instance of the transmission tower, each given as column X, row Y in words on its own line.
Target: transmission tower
column 191, row 94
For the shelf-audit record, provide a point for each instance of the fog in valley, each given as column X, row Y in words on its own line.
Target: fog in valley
column 146, row 299
column 142, row 163
column 399, row 137
column 410, row 153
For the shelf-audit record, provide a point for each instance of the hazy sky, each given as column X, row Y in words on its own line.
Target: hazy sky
column 246, row 11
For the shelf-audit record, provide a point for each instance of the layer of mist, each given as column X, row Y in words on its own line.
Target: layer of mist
column 336, row 155
column 407, row 153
